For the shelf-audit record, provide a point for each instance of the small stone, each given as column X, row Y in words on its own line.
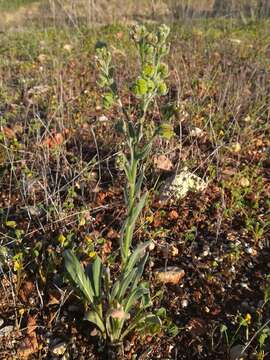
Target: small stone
column 42, row 58
column 7, row 330
column 184, row 303
column 59, row 349
column 174, row 251
column 247, row 119
column 236, row 148
column 103, row 118
column 244, row 182
column 251, row 251
column 196, row 132
column 67, row 47
column 178, row 186
column 171, row 275
column 206, row 250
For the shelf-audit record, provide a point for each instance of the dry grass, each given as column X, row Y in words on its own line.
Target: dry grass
column 92, row 12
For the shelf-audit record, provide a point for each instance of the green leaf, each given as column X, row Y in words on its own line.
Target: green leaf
column 140, row 87
column 140, row 155
column 162, row 88
column 165, row 130
column 107, row 100
column 144, row 322
column 139, row 272
column 96, row 276
column 131, row 131
column 77, row 274
column 136, row 255
column 94, row 318
column 138, row 185
column 148, row 70
column 150, row 323
column 127, row 280
column 135, row 295
column 11, row 224
column 138, row 208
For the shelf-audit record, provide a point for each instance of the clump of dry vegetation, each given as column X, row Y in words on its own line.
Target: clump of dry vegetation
column 61, row 180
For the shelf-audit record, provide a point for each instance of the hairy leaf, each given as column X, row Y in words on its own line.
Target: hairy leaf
column 76, row 272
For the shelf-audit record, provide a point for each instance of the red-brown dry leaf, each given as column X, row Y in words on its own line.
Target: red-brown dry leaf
column 197, row 327
column 26, row 290
column 112, row 234
column 9, row 133
column 54, row 140
column 54, row 297
column 173, row 215
column 157, row 220
column 163, row 163
column 29, row 344
column 197, row 295
column 107, row 247
column 216, row 311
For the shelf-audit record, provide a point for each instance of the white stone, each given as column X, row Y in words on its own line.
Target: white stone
column 178, row 186
column 59, row 349
column 6, row 330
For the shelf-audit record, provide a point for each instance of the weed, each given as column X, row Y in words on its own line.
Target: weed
column 127, row 298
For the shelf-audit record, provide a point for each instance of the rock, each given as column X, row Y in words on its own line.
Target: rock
column 59, row 349
column 244, row 182
column 206, row 250
column 7, row 330
column 196, row 132
column 251, row 251
column 171, row 275
column 236, row 148
column 67, row 47
column 236, row 353
column 1, row 322
column 42, row 58
column 103, row 118
column 178, row 186
column 163, row 163
column 184, row 303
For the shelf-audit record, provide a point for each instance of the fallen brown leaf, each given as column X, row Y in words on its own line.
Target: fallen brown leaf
column 163, row 163
column 29, row 344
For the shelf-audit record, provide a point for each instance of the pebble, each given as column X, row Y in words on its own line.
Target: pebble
column 196, row 132
column 103, row 118
column 184, row 303
column 59, row 349
column 251, row 251
column 206, row 250
column 6, row 330
column 171, row 275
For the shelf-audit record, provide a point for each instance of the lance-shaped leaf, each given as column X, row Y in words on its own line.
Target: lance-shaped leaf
column 93, row 317
column 138, row 209
column 96, row 275
column 134, row 296
column 128, row 279
column 77, row 273
column 138, row 185
column 139, row 271
column 137, row 254
column 146, row 322
column 141, row 154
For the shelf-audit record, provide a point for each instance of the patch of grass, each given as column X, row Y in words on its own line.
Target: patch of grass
column 13, row 5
